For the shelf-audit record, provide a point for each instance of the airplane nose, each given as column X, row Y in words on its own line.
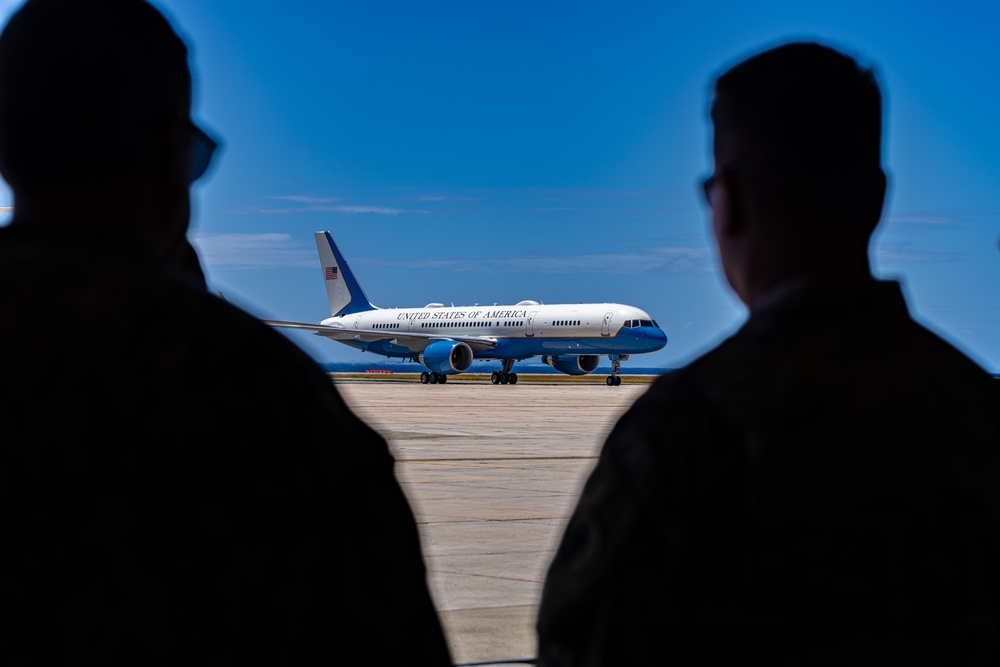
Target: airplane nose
column 656, row 339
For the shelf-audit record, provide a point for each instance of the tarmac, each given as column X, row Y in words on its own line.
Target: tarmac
column 492, row 473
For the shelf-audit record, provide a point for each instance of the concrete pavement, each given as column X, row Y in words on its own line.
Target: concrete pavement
column 492, row 473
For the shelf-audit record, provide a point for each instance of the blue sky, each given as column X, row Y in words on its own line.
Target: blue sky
column 477, row 152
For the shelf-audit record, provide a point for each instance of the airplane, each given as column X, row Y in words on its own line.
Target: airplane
column 569, row 337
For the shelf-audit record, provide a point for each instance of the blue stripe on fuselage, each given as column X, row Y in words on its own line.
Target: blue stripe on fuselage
column 628, row 341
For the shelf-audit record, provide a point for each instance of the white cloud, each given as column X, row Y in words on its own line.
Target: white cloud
column 907, row 253
column 279, row 251
column 651, row 260
column 329, row 208
column 305, row 199
column 931, row 220
column 254, row 251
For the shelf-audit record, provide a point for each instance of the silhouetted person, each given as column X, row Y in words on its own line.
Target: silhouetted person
column 179, row 484
column 823, row 487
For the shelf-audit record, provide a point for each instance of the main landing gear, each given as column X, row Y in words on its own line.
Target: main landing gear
column 615, row 379
column 504, row 376
column 433, row 378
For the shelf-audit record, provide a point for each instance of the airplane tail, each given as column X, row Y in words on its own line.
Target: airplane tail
column 342, row 288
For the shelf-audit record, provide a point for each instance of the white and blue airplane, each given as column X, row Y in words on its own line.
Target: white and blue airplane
column 569, row 337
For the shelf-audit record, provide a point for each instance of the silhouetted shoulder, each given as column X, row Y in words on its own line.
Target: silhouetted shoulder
column 830, row 441
column 221, row 466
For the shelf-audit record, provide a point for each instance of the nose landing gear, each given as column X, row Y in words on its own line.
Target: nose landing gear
column 615, row 379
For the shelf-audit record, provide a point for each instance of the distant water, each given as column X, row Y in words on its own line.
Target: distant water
column 479, row 367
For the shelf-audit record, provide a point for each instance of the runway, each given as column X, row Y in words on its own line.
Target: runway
column 492, row 473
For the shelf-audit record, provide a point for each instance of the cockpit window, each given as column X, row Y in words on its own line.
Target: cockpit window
column 635, row 324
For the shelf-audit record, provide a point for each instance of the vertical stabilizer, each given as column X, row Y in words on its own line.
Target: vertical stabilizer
column 342, row 288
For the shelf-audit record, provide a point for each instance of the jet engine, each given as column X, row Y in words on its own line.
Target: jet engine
column 580, row 364
column 446, row 356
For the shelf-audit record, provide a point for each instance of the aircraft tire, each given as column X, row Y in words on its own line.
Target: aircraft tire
column 504, row 378
column 495, row 377
column 425, row 377
column 618, row 380
column 513, row 378
column 442, row 378
column 610, row 380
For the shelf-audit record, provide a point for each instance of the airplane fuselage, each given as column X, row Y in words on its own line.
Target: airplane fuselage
column 522, row 330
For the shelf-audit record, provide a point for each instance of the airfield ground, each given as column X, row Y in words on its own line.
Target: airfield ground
column 492, row 473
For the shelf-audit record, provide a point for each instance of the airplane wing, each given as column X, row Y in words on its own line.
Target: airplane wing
column 414, row 341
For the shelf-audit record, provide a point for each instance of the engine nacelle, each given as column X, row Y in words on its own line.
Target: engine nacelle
column 446, row 356
column 579, row 364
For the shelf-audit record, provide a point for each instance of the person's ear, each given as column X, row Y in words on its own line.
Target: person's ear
column 180, row 149
column 882, row 191
column 871, row 200
column 729, row 204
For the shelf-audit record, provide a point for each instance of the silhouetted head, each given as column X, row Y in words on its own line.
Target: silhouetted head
column 95, row 99
column 797, row 147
